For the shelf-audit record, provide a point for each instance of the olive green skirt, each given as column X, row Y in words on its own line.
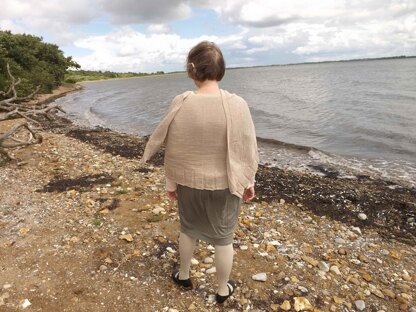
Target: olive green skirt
column 210, row 216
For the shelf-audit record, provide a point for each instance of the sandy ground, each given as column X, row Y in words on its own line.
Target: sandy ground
column 85, row 227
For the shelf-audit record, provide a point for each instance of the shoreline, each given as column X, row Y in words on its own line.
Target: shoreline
column 82, row 201
column 340, row 199
column 325, row 195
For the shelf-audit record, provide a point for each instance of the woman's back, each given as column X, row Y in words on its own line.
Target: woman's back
column 196, row 147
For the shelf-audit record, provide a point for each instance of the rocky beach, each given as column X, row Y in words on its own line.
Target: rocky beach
column 85, row 227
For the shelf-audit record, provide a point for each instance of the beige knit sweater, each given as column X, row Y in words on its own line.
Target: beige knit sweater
column 210, row 142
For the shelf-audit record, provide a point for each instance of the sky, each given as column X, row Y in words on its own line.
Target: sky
column 156, row 35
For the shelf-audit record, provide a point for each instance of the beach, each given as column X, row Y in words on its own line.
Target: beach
column 85, row 227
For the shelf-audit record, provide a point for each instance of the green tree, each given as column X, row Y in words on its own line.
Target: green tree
column 34, row 61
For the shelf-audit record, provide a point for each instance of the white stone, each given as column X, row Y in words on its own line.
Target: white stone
column 323, row 266
column 360, row 304
column 25, row 303
column 362, row 216
column 275, row 243
column 7, row 286
column 194, row 261
column 303, row 289
column 243, row 247
column 211, row 270
column 170, row 249
column 211, row 298
column 260, row 277
column 355, row 261
column 158, row 210
column 208, row 260
column 356, row 230
column 335, row 269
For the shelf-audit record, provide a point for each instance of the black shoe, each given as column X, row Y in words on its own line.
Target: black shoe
column 187, row 284
column 231, row 287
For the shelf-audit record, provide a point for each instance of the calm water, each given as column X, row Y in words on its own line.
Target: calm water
column 357, row 116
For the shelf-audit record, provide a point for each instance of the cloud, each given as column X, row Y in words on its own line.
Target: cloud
column 155, row 11
column 267, row 30
column 47, row 16
column 130, row 50
column 159, row 28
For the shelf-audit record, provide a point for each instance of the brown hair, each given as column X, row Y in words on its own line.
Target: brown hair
column 205, row 62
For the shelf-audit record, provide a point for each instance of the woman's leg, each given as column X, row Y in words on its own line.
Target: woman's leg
column 186, row 250
column 223, row 263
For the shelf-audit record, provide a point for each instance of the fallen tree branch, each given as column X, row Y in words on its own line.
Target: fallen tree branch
column 34, row 138
column 13, row 109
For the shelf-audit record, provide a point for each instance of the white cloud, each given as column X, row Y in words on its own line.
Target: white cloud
column 130, row 50
column 306, row 30
column 159, row 28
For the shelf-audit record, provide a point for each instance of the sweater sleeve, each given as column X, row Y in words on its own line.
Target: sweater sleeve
column 158, row 136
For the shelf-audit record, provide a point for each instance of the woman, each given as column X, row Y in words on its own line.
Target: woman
column 211, row 160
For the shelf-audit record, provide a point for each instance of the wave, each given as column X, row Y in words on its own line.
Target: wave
column 281, row 144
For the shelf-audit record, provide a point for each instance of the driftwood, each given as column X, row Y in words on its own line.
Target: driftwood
column 12, row 107
column 8, row 140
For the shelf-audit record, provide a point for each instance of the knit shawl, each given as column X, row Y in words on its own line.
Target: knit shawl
column 242, row 155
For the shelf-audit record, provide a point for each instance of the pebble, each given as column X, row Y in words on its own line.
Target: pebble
column 7, row 286
column 170, row 249
column 25, row 304
column 310, row 260
column 103, row 267
column 389, row 293
column 211, row 270
column 302, row 304
column 208, row 260
column 158, row 210
column 243, row 247
column 356, row 230
column 260, row 277
column 323, row 266
column 211, row 299
column 285, row 306
column 339, row 240
column 360, row 305
column 362, row 216
column 342, row 251
column 303, row 289
column 335, row 269
column 194, row 261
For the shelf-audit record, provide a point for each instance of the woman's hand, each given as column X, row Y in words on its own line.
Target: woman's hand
column 172, row 195
column 248, row 194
